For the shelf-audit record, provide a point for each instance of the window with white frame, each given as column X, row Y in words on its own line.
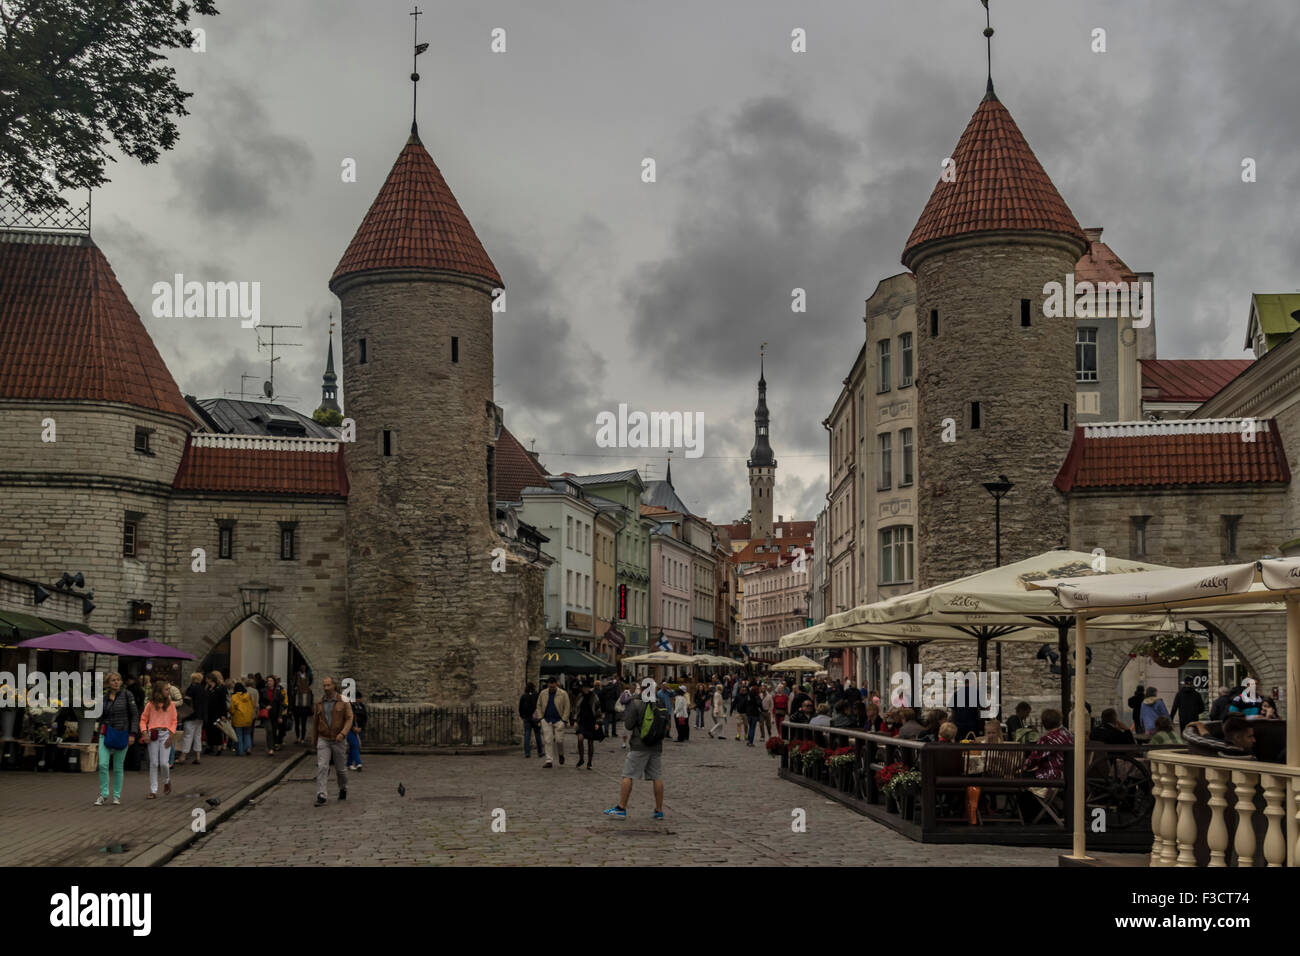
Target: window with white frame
column 1085, row 355
column 897, row 554
column 882, row 353
column 886, row 451
column 905, row 353
column 905, row 440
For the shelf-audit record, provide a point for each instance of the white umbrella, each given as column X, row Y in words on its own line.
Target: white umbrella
column 659, row 657
column 1268, row 585
column 797, row 664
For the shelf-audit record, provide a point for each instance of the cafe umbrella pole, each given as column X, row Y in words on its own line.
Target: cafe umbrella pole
column 1080, row 739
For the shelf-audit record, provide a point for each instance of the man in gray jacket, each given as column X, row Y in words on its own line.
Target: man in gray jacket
column 644, row 761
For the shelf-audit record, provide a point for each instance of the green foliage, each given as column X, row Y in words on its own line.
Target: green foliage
column 327, row 416
column 76, row 75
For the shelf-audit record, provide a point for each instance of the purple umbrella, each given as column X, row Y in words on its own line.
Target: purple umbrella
column 154, row 649
column 85, row 643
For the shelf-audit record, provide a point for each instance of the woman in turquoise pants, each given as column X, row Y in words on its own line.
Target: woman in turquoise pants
column 119, row 713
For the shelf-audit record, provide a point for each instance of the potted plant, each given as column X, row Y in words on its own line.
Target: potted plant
column 12, row 698
column 840, row 761
column 883, row 776
column 814, row 763
column 775, row 745
column 904, row 787
column 1170, row 649
column 797, row 750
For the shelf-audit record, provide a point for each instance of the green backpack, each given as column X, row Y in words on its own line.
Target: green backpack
column 654, row 722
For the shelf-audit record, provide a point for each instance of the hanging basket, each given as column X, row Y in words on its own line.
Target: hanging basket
column 1170, row 650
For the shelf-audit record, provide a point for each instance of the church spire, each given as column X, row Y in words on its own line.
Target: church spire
column 988, row 37
column 329, row 389
column 761, row 453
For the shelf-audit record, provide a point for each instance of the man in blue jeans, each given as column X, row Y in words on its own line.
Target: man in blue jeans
column 532, row 726
column 354, row 735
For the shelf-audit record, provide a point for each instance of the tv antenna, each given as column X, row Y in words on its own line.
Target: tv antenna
column 268, row 387
column 242, row 391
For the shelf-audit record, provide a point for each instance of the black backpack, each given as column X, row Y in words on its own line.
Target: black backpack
column 654, row 722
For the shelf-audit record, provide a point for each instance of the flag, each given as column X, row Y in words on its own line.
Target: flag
column 420, row 48
column 663, row 644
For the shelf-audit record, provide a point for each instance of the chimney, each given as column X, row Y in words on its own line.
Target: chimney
column 1093, row 233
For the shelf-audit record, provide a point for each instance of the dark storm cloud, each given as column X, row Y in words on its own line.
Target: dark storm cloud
column 245, row 172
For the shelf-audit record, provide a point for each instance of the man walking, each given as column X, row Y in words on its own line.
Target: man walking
column 197, row 697
column 1187, row 704
column 753, row 711
column 330, row 726
column 532, row 727
column 645, row 755
column 553, row 712
column 609, row 694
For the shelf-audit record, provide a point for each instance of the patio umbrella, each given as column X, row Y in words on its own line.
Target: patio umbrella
column 157, row 650
column 84, row 643
column 1227, row 590
column 659, row 657
column 800, row 663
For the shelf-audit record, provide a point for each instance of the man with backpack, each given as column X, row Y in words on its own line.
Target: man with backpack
column 647, row 719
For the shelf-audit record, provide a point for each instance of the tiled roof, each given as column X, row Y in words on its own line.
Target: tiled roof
column 515, row 468
column 740, row 531
column 1099, row 263
column 234, row 463
column 67, row 330
column 1188, row 380
column 750, row 553
column 415, row 222
column 1185, row 452
column 999, row 184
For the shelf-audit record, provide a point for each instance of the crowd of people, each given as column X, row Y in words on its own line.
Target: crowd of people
column 217, row 715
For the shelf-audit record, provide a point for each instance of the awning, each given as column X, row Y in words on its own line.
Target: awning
column 563, row 657
column 16, row 626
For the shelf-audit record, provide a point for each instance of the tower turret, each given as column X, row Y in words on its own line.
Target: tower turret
column 329, row 389
column 762, row 465
column 996, row 382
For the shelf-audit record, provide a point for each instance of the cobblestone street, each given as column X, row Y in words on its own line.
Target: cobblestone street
column 723, row 805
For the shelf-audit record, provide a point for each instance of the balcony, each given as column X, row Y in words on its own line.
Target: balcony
column 1217, row 811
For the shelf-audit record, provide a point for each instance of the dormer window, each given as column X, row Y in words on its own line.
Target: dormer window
column 142, row 441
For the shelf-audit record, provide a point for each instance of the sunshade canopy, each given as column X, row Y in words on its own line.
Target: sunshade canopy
column 714, row 660
column 16, row 626
column 1197, row 591
column 797, row 664
column 564, row 657
column 659, row 657
column 85, row 643
column 155, row 649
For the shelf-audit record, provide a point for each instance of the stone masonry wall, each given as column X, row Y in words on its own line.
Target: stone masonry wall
column 430, row 620
column 1021, row 376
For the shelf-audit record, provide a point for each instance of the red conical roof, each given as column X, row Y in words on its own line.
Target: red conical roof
column 68, row 332
column 999, row 184
column 415, row 222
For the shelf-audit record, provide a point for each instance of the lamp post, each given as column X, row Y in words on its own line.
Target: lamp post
column 998, row 489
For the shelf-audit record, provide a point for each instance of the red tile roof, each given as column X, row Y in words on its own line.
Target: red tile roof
column 1186, row 452
column 1188, row 380
column 999, row 184
column 750, row 554
column 67, row 330
column 515, row 469
column 415, row 222
column 1099, row 263
column 242, row 463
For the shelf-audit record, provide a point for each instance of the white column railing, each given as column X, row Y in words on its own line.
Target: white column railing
column 1196, row 821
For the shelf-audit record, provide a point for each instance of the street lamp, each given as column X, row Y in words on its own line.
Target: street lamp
column 998, row 489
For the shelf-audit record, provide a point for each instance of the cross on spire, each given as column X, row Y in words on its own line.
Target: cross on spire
column 419, row 48
column 988, row 36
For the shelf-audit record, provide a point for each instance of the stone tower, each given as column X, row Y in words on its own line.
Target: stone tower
column 762, row 467
column 329, row 388
column 996, row 378
column 429, row 620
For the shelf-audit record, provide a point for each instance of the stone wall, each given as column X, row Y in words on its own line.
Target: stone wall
column 1023, row 377
column 430, row 621
column 306, row 598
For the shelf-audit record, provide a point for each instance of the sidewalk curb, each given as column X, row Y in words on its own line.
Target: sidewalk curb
column 167, row 848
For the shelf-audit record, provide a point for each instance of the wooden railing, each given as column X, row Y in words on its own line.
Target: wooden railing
column 1118, row 785
column 1218, row 811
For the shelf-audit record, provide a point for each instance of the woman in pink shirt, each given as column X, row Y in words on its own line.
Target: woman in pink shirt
column 157, row 724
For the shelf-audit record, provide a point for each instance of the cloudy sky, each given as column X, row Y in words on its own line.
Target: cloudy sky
column 775, row 170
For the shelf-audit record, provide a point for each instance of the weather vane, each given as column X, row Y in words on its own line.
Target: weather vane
column 419, row 48
column 988, row 36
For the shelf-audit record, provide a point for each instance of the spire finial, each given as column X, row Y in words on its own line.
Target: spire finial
column 762, row 349
column 988, row 36
column 669, row 477
column 415, row 76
